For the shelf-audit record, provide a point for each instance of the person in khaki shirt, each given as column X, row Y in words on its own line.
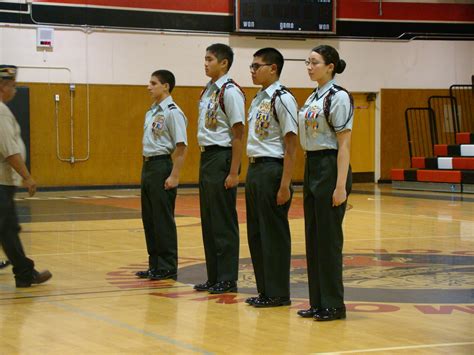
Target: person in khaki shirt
column 13, row 172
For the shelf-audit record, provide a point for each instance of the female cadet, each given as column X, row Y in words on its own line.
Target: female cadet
column 325, row 124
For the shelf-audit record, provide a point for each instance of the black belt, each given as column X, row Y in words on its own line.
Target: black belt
column 257, row 160
column 317, row 153
column 157, row 157
column 209, row 148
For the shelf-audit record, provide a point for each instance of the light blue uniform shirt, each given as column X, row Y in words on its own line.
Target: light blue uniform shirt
column 315, row 132
column 215, row 126
column 266, row 134
column 165, row 126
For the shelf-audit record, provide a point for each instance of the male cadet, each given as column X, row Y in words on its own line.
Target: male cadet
column 12, row 172
column 220, row 131
column 164, row 133
column 271, row 148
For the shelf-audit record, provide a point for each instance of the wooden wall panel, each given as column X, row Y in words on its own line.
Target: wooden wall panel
column 363, row 135
column 394, row 143
column 116, row 125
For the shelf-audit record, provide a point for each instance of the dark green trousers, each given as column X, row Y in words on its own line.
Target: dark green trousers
column 219, row 223
column 323, row 230
column 268, row 230
column 9, row 235
column 158, row 215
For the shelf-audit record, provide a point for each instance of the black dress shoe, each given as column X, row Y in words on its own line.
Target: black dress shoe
column 264, row 302
column 204, row 287
column 142, row 274
column 38, row 278
column 251, row 300
column 308, row 313
column 223, row 287
column 162, row 274
column 4, row 264
column 327, row 314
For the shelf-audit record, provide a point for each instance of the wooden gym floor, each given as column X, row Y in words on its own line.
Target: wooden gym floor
column 409, row 279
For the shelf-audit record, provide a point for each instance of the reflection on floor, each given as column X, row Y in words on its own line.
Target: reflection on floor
column 409, row 280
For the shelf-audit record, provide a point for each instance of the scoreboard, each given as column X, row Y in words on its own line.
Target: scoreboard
column 285, row 16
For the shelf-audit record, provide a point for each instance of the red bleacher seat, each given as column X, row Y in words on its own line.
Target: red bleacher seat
column 464, row 138
column 453, row 176
column 463, row 163
column 418, row 162
column 441, row 150
column 397, row 174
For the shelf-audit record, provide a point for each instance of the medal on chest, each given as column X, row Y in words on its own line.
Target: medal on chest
column 211, row 111
column 158, row 125
column 262, row 120
column 311, row 123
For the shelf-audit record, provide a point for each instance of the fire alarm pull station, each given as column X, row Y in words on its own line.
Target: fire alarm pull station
column 45, row 37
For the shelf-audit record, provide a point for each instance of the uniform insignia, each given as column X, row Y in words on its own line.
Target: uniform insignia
column 172, row 107
column 8, row 72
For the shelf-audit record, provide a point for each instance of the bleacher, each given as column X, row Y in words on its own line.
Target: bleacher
column 441, row 144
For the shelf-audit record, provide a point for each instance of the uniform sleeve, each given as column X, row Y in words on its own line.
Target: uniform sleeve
column 287, row 111
column 234, row 102
column 8, row 144
column 177, row 124
column 341, row 116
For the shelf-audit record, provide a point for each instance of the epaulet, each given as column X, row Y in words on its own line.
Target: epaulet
column 284, row 90
column 172, row 106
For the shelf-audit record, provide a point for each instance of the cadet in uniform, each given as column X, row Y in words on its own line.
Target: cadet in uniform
column 220, row 130
column 271, row 148
column 164, row 134
column 13, row 172
column 325, row 123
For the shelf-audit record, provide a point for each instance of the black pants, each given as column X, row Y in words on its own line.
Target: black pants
column 9, row 235
column 158, row 215
column 323, row 230
column 220, row 226
column 268, row 229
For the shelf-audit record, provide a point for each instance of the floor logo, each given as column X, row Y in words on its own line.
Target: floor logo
column 382, row 277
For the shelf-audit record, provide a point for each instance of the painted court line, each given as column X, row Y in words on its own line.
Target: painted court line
column 397, row 348
column 412, row 216
column 87, row 314
column 131, row 328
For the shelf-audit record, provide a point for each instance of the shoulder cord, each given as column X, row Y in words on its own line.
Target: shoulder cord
column 222, row 90
column 327, row 107
column 278, row 93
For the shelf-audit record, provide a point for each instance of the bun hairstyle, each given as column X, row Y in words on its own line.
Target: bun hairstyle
column 331, row 56
column 340, row 66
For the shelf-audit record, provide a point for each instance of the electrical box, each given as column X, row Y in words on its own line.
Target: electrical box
column 45, row 37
